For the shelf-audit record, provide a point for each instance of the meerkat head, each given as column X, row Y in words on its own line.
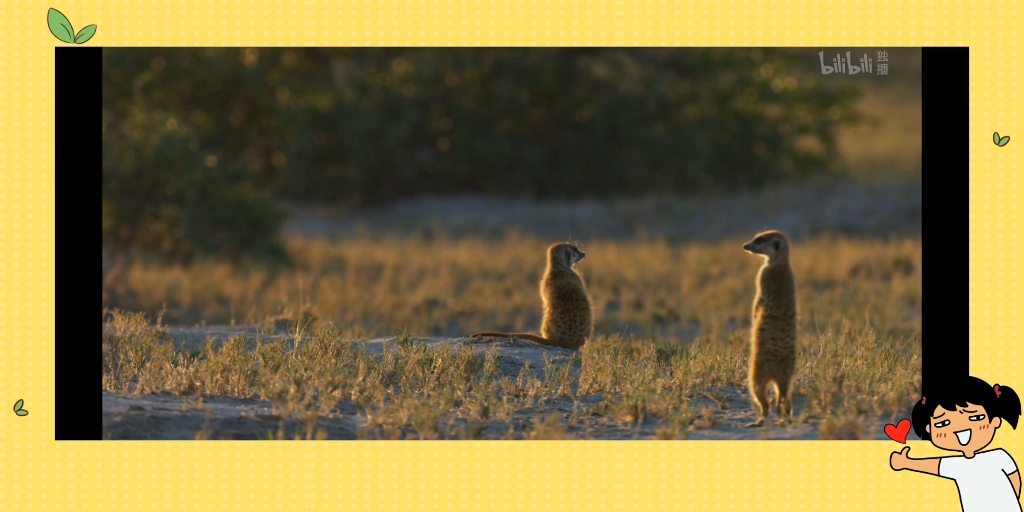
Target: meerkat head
column 773, row 245
column 565, row 254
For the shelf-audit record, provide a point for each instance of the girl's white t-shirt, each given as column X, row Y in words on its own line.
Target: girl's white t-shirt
column 983, row 481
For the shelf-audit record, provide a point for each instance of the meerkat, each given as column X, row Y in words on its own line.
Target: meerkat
column 568, row 318
column 773, row 330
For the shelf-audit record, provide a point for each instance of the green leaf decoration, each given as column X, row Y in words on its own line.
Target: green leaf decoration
column 85, row 34
column 18, row 408
column 21, row 412
column 1003, row 141
column 60, row 27
column 995, row 138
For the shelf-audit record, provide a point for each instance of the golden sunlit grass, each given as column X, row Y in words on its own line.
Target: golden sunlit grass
column 672, row 324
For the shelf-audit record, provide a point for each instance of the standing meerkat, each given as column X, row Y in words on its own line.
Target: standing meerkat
column 773, row 330
column 568, row 318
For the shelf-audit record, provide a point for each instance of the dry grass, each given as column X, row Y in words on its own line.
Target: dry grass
column 671, row 325
column 843, row 428
column 439, row 287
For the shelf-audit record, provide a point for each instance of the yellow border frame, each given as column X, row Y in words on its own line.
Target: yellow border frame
column 36, row 472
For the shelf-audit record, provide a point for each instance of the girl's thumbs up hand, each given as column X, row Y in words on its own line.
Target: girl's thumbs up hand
column 898, row 460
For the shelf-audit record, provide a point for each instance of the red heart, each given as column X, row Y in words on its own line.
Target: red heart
column 899, row 432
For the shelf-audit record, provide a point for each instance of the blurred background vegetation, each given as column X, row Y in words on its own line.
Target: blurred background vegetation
column 201, row 146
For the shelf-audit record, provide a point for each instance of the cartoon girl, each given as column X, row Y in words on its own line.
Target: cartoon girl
column 964, row 418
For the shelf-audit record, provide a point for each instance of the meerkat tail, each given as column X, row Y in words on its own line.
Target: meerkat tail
column 529, row 337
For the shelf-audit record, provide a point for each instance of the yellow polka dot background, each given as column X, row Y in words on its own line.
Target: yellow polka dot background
column 38, row 473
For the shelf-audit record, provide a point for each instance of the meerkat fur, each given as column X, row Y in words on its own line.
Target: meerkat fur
column 773, row 329
column 568, row 316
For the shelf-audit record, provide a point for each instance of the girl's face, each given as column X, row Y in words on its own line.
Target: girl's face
column 967, row 429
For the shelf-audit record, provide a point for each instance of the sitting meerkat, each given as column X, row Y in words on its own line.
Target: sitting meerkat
column 568, row 318
column 773, row 330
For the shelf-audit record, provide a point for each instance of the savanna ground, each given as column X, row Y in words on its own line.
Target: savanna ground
column 364, row 337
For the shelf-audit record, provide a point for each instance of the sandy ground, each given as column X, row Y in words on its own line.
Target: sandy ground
column 167, row 416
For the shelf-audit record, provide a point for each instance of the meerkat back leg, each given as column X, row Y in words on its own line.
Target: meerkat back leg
column 759, row 389
column 785, row 399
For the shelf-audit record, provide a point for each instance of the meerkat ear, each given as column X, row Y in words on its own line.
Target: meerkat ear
column 775, row 244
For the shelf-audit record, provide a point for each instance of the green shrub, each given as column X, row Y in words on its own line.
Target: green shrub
column 162, row 195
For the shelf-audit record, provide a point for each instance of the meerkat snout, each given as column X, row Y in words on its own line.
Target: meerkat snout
column 767, row 244
column 572, row 254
